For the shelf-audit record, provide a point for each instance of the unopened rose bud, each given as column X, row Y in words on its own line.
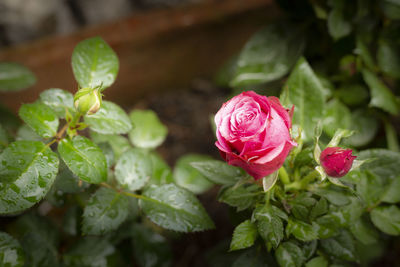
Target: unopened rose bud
column 87, row 101
column 337, row 161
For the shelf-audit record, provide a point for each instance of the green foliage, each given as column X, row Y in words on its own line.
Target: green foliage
column 218, row 171
column 84, row 158
column 186, row 176
column 148, row 131
column 104, row 212
column 15, row 77
column 268, row 55
column 58, row 100
column 40, row 118
column 133, row 169
column 304, row 90
column 11, row 253
column 174, row 208
column 289, row 254
column 244, row 235
column 110, row 119
column 94, row 63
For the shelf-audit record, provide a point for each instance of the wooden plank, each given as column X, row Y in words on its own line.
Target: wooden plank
column 158, row 50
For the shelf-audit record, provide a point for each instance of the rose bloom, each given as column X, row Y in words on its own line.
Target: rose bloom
column 336, row 161
column 253, row 133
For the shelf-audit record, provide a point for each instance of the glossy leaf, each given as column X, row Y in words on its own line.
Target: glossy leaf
column 341, row 246
column 119, row 143
column 40, row 118
column 148, row 131
column 15, row 77
column 94, row 63
column 162, row 173
column 338, row 25
column 110, row 119
column 186, row 176
column 60, row 101
column 364, row 231
column 11, row 253
column 268, row 55
column 26, row 133
column 304, row 90
column 174, row 208
column 387, row 219
column 365, row 126
column 289, row 254
column 337, row 116
column 317, row 262
column 244, row 235
column 240, row 197
column 32, row 168
column 302, row 231
column 381, row 96
column 269, row 224
column 104, row 212
column 133, row 169
column 84, row 159
column 218, row 172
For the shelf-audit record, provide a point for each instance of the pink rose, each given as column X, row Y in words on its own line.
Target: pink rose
column 253, row 133
column 336, row 161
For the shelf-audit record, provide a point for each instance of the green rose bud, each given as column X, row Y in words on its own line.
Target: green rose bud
column 87, row 101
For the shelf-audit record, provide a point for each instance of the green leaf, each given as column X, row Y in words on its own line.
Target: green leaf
column 94, row 63
column 150, row 248
column 110, row 119
column 186, row 176
column 133, row 169
column 365, row 127
column 244, row 235
column 338, row 24
column 148, row 131
column 84, row 159
column 319, row 209
column 39, row 239
column 26, row 133
column 317, row 262
column 382, row 163
column 240, row 197
column 89, row 251
column 388, row 56
column 162, row 173
column 391, row 9
column 309, row 249
column 370, row 188
column 40, row 118
column 3, row 138
column 301, row 206
column 108, row 153
column 333, row 195
column 304, row 90
column 301, row 230
column 15, row 77
column 32, row 167
column 353, row 94
column 387, row 219
column 381, row 96
column 119, row 143
column 218, row 172
column 104, row 212
column 337, row 116
column 174, row 208
column 392, row 192
column 341, row 246
column 364, row 53
column 269, row 224
column 268, row 55
column 364, row 231
column 289, row 254
column 60, row 101
column 11, row 253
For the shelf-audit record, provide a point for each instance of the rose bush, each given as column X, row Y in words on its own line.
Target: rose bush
column 337, row 161
column 253, row 133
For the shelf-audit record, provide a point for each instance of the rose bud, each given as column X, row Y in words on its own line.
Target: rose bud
column 253, row 133
column 337, row 161
column 87, row 101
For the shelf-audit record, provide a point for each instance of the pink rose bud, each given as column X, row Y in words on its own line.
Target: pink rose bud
column 253, row 133
column 337, row 161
